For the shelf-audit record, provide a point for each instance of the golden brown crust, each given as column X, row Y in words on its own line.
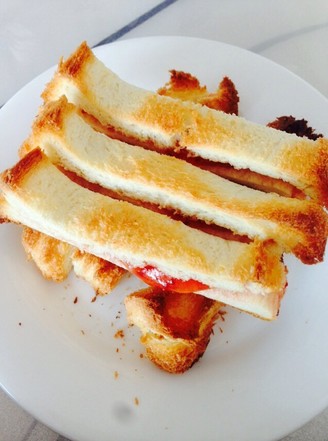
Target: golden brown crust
column 321, row 173
column 3, row 214
column 13, row 177
column 52, row 257
column 52, row 115
column 73, row 67
column 309, row 159
column 176, row 328
column 186, row 87
column 313, row 222
column 102, row 275
column 226, row 99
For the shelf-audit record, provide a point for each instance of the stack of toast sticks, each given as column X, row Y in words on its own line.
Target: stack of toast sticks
column 173, row 187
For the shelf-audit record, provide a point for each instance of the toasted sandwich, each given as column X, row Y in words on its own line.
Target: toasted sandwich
column 55, row 258
column 168, row 184
column 154, row 247
column 184, row 322
column 172, row 125
column 168, row 228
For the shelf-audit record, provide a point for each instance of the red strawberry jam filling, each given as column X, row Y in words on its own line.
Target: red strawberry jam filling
column 154, row 277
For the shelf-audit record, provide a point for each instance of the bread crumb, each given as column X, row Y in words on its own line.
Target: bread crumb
column 116, row 375
column 136, row 401
column 119, row 334
column 75, row 300
column 93, row 299
column 222, row 315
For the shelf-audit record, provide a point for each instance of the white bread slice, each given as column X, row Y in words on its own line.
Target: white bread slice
column 173, row 124
column 36, row 194
column 298, row 226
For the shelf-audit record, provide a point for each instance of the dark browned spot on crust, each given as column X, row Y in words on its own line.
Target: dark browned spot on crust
column 290, row 124
column 182, row 80
column 226, row 99
column 183, row 85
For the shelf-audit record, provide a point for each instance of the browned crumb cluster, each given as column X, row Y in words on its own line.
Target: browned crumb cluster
column 119, row 333
column 299, row 127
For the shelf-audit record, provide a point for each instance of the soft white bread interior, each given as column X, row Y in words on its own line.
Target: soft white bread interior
column 176, row 327
column 36, row 194
column 174, row 124
column 168, row 182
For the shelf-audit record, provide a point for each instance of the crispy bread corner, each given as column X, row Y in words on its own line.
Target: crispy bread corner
column 52, row 256
column 102, row 275
column 176, row 328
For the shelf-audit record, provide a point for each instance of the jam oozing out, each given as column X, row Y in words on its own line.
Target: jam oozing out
column 154, row 277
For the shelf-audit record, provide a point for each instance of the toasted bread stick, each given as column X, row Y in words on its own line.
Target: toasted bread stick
column 36, row 194
column 173, row 124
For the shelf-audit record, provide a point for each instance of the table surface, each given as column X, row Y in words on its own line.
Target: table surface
column 293, row 33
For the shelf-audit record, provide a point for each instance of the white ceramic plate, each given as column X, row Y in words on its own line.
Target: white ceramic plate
column 257, row 380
